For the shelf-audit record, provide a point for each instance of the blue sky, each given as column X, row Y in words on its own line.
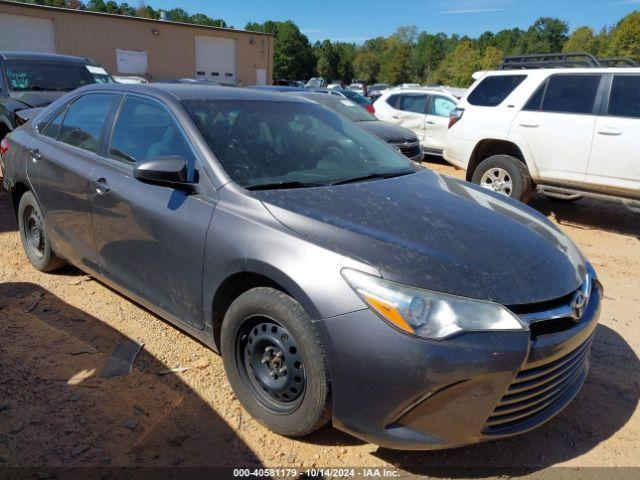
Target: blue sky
column 357, row 20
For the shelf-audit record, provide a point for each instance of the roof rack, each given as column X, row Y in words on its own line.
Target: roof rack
column 618, row 62
column 563, row 60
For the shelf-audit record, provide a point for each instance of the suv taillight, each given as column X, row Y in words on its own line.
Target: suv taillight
column 455, row 116
column 4, row 146
column 370, row 108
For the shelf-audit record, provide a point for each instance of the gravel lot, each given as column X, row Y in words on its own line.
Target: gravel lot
column 58, row 330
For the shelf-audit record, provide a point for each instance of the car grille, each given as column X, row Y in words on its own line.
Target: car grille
column 409, row 149
column 540, row 392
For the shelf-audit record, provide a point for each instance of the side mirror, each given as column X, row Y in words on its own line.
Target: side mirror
column 171, row 170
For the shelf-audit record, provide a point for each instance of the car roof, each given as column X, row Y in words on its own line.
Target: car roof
column 186, row 91
column 547, row 71
column 275, row 88
column 434, row 91
column 43, row 56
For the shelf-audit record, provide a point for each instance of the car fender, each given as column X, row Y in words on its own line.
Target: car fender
column 244, row 237
column 526, row 153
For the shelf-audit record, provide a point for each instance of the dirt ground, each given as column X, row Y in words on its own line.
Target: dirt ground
column 58, row 330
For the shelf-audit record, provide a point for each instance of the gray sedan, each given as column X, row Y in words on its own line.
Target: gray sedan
column 340, row 281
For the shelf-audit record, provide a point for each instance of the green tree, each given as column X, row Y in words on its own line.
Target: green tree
column 546, row 35
column 457, row 68
column 396, row 65
column 292, row 55
column 367, row 59
column 624, row 39
column 179, row 15
column 430, row 50
column 581, row 40
column 491, row 58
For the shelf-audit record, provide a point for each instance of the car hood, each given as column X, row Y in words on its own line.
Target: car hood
column 438, row 233
column 37, row 99
column 388, row 132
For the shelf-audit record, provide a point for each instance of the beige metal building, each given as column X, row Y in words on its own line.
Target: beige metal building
column 155, row 49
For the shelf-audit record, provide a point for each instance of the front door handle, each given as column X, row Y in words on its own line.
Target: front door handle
column 610, row 132
column 35, row 154
column 100, row 186
column 529, row 125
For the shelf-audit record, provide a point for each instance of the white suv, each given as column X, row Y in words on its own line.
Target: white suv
column 567, row 132
column 424, row 111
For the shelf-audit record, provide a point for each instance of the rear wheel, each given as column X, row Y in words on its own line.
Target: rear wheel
column 35, row 242
column 505, row 175
column 275, row 362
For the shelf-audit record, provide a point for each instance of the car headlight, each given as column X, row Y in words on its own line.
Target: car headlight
column 428, row 314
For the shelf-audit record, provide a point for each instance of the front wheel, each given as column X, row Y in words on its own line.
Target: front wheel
column 505, row 175
column 275, row 362
column 35, row 241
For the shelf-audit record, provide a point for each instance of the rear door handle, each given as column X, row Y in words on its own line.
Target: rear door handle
column 529, row 125
column 430, row 122
column 610, row 131
column 35, row 154
column 101, row 186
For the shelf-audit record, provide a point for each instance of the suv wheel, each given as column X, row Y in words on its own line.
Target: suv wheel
column 275, row 362
column 505, row 175
column 35, row 241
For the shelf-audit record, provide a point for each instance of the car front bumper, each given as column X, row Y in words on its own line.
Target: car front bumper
column 408, row 393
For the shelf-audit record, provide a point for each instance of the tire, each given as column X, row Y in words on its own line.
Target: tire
column 517, row 172
column 256, row 382
column 37, row 248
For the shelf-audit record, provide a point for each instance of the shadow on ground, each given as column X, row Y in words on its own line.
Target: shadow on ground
column 56, row 410
column 609, row 216
column 605, row 404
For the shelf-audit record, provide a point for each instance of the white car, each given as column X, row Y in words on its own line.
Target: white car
column 358, row 88
column 567, row 132
column 424, row 111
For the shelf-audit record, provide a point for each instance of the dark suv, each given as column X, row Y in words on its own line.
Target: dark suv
column 33, row 80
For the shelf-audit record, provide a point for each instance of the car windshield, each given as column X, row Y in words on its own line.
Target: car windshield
column 344, row 106
column 40, row 75
column 285, row 144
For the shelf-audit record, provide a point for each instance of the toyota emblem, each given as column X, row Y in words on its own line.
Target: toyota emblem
column 578, row 304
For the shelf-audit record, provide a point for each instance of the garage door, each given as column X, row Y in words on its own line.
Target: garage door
column 26, row 34
column 216, row 58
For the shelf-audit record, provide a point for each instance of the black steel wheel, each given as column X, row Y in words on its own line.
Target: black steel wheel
column 271, row 364
column 275, row 362
column 34, row 231
column 35, row 242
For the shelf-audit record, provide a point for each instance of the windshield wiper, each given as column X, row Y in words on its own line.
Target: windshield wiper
column 283, row 185
column 373, row 176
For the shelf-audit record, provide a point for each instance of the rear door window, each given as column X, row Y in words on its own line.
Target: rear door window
column 82, row 126
column 53, row 129
column 494, row 89
column 393, row 100
column 413, row 103
column 624, row 100
column 441, row 106
column 571, row 93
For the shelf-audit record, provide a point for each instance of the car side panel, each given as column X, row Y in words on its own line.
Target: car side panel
column 61, row 181
column 620, row 171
